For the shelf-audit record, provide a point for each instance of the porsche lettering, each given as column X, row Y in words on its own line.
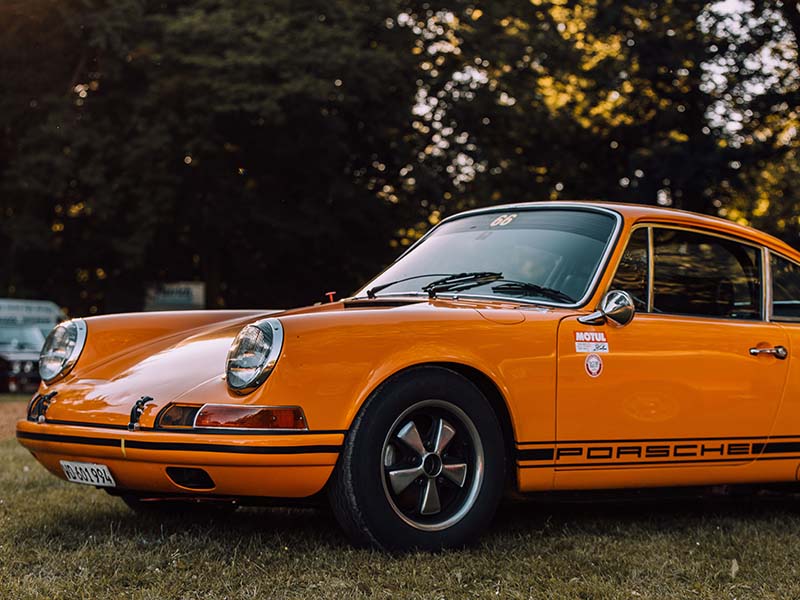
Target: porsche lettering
column 646, row 451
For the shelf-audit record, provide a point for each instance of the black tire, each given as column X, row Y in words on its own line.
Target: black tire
column 172, row 508
column 367, row 490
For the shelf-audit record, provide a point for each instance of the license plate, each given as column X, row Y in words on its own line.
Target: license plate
column 88, row 473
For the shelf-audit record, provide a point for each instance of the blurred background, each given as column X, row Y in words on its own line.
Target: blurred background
column 231, row 153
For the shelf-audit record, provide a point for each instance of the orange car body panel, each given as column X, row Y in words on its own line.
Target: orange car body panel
column 672, row 390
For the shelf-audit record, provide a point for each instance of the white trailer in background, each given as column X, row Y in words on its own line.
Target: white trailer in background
column 42, row 314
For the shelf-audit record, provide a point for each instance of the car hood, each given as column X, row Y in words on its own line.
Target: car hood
column 180, row 357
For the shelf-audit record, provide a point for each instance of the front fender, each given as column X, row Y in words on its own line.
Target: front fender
column 330, row 369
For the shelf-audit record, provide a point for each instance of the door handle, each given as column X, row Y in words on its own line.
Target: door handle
column 779, row 352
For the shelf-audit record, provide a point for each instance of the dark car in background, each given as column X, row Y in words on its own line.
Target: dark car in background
column 19, row 358
column 24, row 325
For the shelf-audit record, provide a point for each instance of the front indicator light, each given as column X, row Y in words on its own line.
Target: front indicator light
column 226, row 416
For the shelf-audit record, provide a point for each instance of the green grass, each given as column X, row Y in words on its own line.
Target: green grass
column 59, row 540
column 15, row 397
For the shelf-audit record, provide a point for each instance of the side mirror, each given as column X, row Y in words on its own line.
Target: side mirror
column 616, row 308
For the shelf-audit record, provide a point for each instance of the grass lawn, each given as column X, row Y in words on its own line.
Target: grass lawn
column 60, row 540
column 15, row 397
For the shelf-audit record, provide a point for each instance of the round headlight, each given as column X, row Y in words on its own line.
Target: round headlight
column 253, row 355
column 61, row 349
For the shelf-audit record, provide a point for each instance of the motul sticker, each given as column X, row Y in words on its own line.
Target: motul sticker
column 590, row 341
column 593, row 365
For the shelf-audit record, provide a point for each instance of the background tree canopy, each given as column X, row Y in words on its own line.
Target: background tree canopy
column 276, row 150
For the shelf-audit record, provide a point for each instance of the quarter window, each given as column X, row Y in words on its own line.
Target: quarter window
column 706, row 276
column 785, row 290
column 631, row 274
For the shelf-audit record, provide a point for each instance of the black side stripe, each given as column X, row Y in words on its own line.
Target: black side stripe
column 643, row 463
column 777, row 447
column 69, row 439
column 232, row 449
column 756, row 450
column 115, row 443
column 536, row 454
column 640, row 463
column 678, row 439
column 199, row 430
column 753, row 451
column 211, row 431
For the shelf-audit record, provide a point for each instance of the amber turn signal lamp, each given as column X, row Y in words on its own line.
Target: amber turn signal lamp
column 226, row 416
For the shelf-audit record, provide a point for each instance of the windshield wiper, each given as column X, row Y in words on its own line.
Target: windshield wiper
column 524, row 288
column 460, row 281
column 374, row 290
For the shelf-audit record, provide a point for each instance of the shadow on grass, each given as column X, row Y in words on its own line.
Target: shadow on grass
column 614, row 516
column 538, row 518
column 113, row 520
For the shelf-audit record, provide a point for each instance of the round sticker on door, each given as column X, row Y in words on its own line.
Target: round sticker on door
column 593, row 365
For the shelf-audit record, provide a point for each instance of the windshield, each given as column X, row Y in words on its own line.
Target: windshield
column 21, row 338
column 536, row 255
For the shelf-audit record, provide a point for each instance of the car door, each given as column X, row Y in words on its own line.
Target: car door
column 693, row 380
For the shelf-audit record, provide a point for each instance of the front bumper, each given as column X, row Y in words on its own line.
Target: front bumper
column 293, row 465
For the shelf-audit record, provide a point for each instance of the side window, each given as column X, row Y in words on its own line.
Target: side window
column 706, row 276
column 631, row 274
column 785, row 290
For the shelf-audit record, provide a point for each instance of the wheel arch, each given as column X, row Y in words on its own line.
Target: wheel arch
column 487, row 386
column 496, row 399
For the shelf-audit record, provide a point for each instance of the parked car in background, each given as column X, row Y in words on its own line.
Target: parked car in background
column 19, row 358
column 24, row 325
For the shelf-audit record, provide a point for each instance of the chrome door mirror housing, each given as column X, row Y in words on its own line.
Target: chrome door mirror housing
column 616, row 308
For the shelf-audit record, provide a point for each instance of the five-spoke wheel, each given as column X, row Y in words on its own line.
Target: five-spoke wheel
column 423, row 465
column 433, row 465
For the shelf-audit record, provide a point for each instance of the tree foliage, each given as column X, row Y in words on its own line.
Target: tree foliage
column 611, row 100
column 237, row 142
column 277, row 150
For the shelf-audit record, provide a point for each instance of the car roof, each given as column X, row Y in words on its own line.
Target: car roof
column 638, row 213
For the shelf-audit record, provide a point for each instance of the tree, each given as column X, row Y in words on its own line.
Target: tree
column 643, row 102
column 214, row 140
column 281, row 149
column 759, row 100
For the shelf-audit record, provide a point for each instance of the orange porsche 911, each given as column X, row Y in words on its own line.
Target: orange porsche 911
column 530, row 347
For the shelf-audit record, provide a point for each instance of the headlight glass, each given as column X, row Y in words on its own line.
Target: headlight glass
column 61, row 349
column 253, row 355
